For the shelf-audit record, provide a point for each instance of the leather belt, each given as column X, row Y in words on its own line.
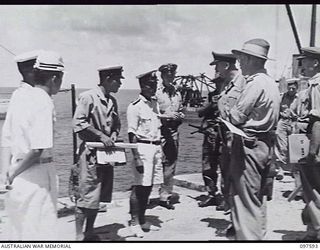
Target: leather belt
column 150, row 142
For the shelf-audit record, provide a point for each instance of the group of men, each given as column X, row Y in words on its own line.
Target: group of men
column 248, row 164
column 153, row 121
column 249, row 100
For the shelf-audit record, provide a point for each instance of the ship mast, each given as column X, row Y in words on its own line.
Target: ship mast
column 313, row 25
column 293, row 26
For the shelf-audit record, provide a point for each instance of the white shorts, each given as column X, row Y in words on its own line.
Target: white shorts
column 151, row 157
column 32, row 205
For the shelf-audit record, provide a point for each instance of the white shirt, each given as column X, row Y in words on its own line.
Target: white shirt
column 143, row 120
column 29, row 122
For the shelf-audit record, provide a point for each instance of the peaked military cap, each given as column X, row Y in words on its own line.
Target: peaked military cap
column 291, row 81
column 50, row 61
column 148, row 78
column 218, row 57
column 110, row 71
column 27, row 56
column 171, row 67
column 26, row 61
column 313, row 52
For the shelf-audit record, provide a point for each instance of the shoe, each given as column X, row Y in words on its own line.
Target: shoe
column 146, row 227
column 221, row 206
column 137, row 231
column 230, row 232
column 210, row 201
column 92, row 237
column 298, row 198
column 102, row 207
column 226, row 212
column 166, row 204
column 279, row 177
column 308, row 237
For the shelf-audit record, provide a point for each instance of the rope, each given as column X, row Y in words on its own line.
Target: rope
column 7, row 50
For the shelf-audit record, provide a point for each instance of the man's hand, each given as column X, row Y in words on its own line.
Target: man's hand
column 107, row 141
column 309, row 159
column 74, row 191
column 172, row 116
column 10, row 175
column 113, row 136
column 139, row 166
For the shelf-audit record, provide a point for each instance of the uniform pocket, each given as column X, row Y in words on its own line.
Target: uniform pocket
column 146, row 122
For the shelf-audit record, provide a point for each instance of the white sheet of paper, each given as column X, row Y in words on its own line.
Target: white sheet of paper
column 118, row 155
column 298, row 147
column 233, row 129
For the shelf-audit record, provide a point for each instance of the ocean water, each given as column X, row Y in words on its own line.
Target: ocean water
column 189, row 160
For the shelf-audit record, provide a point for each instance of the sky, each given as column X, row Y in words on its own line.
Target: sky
column 143, row 37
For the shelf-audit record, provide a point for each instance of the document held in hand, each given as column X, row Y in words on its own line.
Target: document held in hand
column 117, row 155
column 298, row 147
column 233, row 129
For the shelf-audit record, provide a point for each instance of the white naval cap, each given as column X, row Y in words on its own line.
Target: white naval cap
column 27, row 56
column 50, row 61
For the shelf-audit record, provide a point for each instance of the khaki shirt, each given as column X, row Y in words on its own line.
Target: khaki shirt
column 143, row 120
column 230, row 94
column 257, row 109
column 168, row 104
column 97, row 110
column 314, row 94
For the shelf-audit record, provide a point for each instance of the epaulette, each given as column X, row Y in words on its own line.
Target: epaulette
column 250, row 78
column 136, row 101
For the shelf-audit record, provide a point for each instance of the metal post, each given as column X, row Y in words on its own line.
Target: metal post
column 313, row 25
column 293, row 26
column 74, row 136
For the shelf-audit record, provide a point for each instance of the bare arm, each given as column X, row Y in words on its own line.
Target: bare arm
column 5, row 156
column 138, row 162
column 29, row 160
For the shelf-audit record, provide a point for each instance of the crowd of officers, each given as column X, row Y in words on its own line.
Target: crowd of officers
column 250, row 100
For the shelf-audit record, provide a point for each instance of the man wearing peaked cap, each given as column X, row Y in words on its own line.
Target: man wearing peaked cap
column 256, row 113
column 144, row 129
column 170, row 67
column 148, row 78
column 25, row 63
column 48, row 71
column 170, row 103
column 219, row 57
column 110, row 71
column 228, row 88
column 32, row 202
column 310, row 171
column 96, row 119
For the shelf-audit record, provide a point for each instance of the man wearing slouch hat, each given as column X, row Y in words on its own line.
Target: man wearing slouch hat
column 256, row 112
